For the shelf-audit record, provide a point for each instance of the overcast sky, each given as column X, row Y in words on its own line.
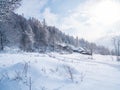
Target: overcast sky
column 89, row 19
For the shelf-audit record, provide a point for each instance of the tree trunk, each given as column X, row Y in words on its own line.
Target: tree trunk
column 1, row 41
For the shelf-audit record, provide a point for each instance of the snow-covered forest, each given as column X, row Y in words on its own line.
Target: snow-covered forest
column 33, row 35
column 37, row 56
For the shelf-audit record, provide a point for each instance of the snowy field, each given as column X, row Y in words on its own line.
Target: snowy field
column 53, row 71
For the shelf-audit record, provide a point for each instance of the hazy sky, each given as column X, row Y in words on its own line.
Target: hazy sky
column 89, row 19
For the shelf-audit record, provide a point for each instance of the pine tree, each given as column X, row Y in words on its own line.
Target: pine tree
column 7, row 6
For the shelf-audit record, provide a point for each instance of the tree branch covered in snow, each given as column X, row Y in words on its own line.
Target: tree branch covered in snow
column 7, row 6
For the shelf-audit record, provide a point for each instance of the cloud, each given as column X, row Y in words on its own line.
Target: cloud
column 86, row 22
column 90, row 19
column 32, row 8
column 38, row 9
column 50, row 17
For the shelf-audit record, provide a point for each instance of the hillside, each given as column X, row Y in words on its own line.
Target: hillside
column 34, row 36
column 31, row 34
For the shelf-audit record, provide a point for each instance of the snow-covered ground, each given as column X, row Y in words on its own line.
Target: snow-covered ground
column 53, row 71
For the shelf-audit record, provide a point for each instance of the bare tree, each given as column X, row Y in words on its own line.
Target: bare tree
column 44, row 23
column 70, row 72
column 77, row 42
column 116, row 42
column 1, row 41
column 25, row 70
column 91, row 48
column 30, row 84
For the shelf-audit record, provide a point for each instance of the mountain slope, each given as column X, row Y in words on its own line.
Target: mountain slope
column 32, row 35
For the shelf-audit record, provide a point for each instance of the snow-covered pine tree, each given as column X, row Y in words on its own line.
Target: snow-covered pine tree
column 6, row 6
